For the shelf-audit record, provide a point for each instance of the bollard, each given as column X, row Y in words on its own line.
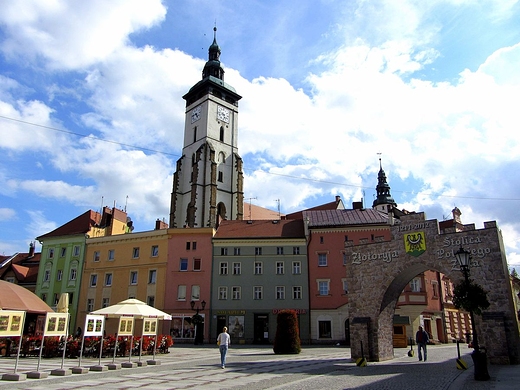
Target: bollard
column 361, row 362
column 461, row 364
column 411, row 352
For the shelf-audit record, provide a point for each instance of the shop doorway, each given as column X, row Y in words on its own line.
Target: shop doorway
column 261, row 326
column 221, row 322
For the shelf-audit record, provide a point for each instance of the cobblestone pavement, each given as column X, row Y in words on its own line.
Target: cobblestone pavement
column 252, row 368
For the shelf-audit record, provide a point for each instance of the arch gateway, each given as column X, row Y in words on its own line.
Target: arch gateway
column 378, row 272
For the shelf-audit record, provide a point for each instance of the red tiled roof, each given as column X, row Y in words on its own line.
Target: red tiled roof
column 79, row 225
column 261, row 229
column 254, row 212
column 326, row 206
column 321, row 218
column 24, row 267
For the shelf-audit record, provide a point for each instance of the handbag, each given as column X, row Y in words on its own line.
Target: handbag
column 218, row 343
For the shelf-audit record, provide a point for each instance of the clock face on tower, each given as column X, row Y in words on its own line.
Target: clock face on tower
column 195, row 114
column 223, row 114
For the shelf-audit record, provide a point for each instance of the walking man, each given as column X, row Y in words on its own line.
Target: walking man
column 421, row 338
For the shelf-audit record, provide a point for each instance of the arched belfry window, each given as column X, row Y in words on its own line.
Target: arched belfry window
column 221, row 157
column 221, row 133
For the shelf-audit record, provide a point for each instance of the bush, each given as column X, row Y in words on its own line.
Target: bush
column 287, row 339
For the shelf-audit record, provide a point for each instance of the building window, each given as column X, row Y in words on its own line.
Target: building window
column 323, row 287
column 221, row 134
column 152, row 276
column 223, row 251
column 236, row 290
column 258, row 251
column 96, row 256
column 44, row 297
column 71, row 298
column 321, row 239
column 296, row 250
column 415, row 285
column 93, row 280
column 258, row 268
column 106, row 302
column 296, row 267
column 195, row 293
column 279, row 268
column 63, row 252
column 257, row 292
column 236, row 251
column 155, row 250
column 184, row 265
column 297, row 292
column 10, row 279
column 220, row 176
column 181, row 292
column 111, row 254
column 222, row 293
column 90, row 305
column 151, row 300
column 108, row 279
column 51, row 253
column 194, row 245
column 47, row 275
column 223, row 268
column 344, row 258
column 197, row 264
column 322, row 259
column 324, row 329
column 236, row 268
column 133, row 277
column 75, row 251
column 280, row 292
column 135, row 253
column 435, row 287
column 345, row 286
column 73, row 274
column 188, row 245
column 56, row 298
column 279, row 250
column 59, row 275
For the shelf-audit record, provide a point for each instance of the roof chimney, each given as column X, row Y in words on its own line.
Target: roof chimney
column 31, row 249
column 159, row 225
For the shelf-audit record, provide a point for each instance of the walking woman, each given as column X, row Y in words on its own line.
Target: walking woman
column 223, row 340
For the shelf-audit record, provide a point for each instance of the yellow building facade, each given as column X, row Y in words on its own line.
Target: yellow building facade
column 121, row 267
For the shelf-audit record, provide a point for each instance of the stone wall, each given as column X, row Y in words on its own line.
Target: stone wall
column 378, row 272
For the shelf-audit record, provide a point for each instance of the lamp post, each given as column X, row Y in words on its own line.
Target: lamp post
column 198, row 320
column 479, row 356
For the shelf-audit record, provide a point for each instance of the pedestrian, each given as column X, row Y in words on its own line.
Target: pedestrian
column 421, row 338
column 223, row 341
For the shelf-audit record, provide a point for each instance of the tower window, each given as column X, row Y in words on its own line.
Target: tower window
column 221, row 133
column 195, row 134
column 220, row 176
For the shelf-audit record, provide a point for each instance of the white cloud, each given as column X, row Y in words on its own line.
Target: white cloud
column 74, row 34
column 7, row 214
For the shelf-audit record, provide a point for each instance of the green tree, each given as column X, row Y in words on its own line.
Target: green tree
column 470, row 296
column 287, row 339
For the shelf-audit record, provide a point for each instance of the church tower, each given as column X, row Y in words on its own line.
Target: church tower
column 384, row 201
column 208, row 182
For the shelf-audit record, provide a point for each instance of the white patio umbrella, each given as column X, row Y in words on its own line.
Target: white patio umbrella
column 132, row 307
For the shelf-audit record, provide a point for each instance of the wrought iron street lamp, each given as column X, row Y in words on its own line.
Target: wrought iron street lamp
column 479, row 356
column 198, row 320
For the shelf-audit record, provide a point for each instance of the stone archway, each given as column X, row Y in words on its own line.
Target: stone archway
column 378, row 272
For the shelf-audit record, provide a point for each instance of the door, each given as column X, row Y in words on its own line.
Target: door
column 221, row 322
column 261, row 329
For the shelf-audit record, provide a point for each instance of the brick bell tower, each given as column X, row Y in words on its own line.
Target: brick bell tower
column 208, row 181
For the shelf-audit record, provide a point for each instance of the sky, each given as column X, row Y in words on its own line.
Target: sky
column 92, row 115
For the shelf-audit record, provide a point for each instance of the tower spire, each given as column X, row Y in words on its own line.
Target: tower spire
column 213, row 67
column 384, row 200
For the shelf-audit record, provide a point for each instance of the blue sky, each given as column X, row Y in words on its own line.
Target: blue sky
column 91, row 108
